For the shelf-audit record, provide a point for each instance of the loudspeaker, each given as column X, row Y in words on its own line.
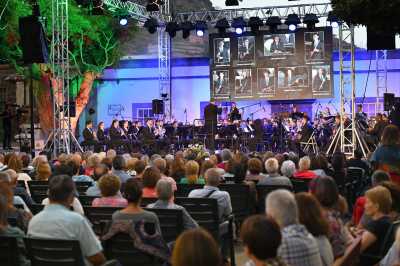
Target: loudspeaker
column 157, row 107
column 388, row 101
column 380, row 41
column 33, row 40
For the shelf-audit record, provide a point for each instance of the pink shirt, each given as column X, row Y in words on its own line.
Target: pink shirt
column 149, row 192
column 115, row 201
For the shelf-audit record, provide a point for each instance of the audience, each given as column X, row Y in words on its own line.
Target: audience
column 110, row 186
column 339, row 168
column 161, row 165
column 98, row 172
column 18, row 190
column 17, row 200
column 139, row 168
column 288, row 168
column 150, row 178
column 357, row 161
column 304, row 171
column 254, row 166
column 119, row 165
column 261, row 238
column 196, row 247
column 165, row 195
column 192, row 174
column 43, row 171
column 298, row 247
column 56, row 221
column 274, row 178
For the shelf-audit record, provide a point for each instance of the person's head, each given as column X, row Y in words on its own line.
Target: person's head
column 164, row 190
column 226, row 155
column 89, row 124
column 61, row 190
column 207, row 164
column 15, row 163
column 359, row 107
column 338, row 162
column 6, row 190
column 378, row 201
column 4, row 177
column 324, row 188
column 109, row 185
column 272, row 166
column 161, row 165
column 93, row 160
column 304, row 163
column 149, row 123
column 139, row 167
column 212, row 177
column 111, row 153
column 378, row 177
column 390, row 136
column 99, row 171
column 119, row 163
column 133, row 191
column 13, row 177
column 322, row 72
column 261, row 237
column 100, row 126
column 26, row 160
column 288, row 168
column 43, row 171
column 394, row 190
column 196, row 247
column 74, row 166
column 192, row 171
column 281, row 205
column 115, row 123
column 150, row 177
column 254, row 166
column 276, row 38
column 311, row 214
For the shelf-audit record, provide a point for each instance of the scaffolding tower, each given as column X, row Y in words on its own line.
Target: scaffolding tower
column 381, row 77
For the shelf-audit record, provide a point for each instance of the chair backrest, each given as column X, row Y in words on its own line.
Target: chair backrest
column 171, row 223
column 352, row 254
column 49, row 252
column 204, row 211
column 121, row 248
column 240, row 199
column 100, row 217
column 9, row 251
column 263, row 191
column 146, row 201
column 38, row 190
column 300, row 185
column 81, row 186
column 86, row 200
column 389, row 238
column 36, row 208
column 183, row 190
column 21, row 183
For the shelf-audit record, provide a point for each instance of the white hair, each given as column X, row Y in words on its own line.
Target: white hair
column 282, row 206
column 272, row 165
column 164, row 190
column 288, row 168
column 304, row 163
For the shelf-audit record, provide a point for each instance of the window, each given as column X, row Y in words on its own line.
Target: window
column 144, row 113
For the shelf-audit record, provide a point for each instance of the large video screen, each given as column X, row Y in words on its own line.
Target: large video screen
column 274, row 66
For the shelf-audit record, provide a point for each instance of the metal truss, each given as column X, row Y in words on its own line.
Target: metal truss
column 321, row 10
column 136, row 11
column 381, row 77
column 61, row 139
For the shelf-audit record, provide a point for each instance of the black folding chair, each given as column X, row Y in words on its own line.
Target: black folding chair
column 183, row 190
column 81, row 186
column 87, row 200
column 146, row 201
column 38, row 190
column 300, row 185
column 171, row 223
column 100, row 217
column 263, row 191
column 9, row 251
column 240, row 199
column 36, row 208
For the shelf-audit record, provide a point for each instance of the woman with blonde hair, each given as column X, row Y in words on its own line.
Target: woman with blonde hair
column 43, row 171
column 192, row 174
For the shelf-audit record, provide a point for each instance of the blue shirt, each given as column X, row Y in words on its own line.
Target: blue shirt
column 58, row 222
column 123, row 176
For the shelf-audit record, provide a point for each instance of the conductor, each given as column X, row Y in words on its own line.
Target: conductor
column 211, row 112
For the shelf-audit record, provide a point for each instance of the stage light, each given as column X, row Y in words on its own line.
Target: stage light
column 310, row 20
column 123, row 21
column 255, row 23
column 201, row 27
column 333, row 20
column 151, row 25
column 186, row 27
column 292, row 21
column 239, row 25
column 273, row 22
column 231, row 2
column 222, row 25
column 172, row 27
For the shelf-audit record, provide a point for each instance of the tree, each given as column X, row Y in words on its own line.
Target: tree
column 93, row 45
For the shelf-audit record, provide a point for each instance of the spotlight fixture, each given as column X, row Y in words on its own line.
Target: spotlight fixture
column 151, row 25
column 123, row 20
column 172, row 27
column 255, row 23
column 201, row 27
column 310, row 20
column 186, row 27
column 239, row 25
column 222, row 25
column 231, row 2
column 333, row 20
column 273, row 22
column 292, row 21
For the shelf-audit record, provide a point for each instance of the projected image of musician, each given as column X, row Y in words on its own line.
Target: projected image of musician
column 279, row 44
column 293, row 77
column 314, row 46
column 222, row 51
column 221, row 83
column 266, row 81
column 321, row 79
column 246, row 49
column 243, row 82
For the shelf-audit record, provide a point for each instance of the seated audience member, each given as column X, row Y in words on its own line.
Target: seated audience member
column 312, row 217
column 377, row 205
column 315, row 166
column 357, row 161
column 133, row 212
column 150, row 178
column 196, row 247
column 110, row 186
column 273, row 177
column 139, row 168
column 394, row 190
column 119, row 165
column 339, row 168
column 56, row 221
column 92, row 161
column 226, row 156
column 11, row 231
column 377, row 178
column 98, row 172
column 15, row 163
column 288, row 168
column 165, row 195
column 130, row 166
column 177, row 170
column 387, row 156
column 77, row 177
column 192, row 174
column 254, row 166
column 205, row 166
column 17, row 190
column 212, row 191
column 35, row 162
column 26, row 163
column 16, row 200
column 393, row 255
column 43, row 171
column 298, row 247
column 304, row 171
column 326, row 192
column 161, row 165
column 261, row 238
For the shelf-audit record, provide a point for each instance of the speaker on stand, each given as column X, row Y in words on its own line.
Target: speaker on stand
column 157, row 107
